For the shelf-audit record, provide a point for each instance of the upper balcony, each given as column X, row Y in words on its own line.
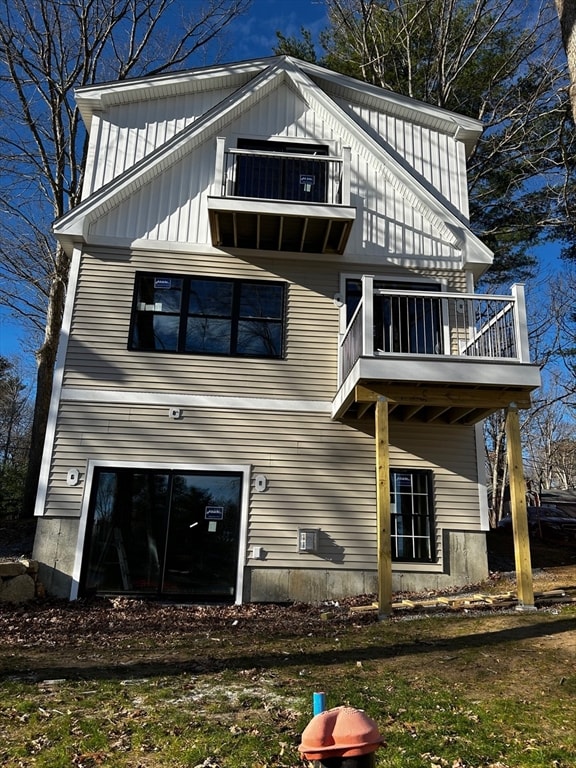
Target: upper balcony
column 295, row 200
column 437, row 357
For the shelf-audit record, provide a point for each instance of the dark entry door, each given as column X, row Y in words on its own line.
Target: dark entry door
column 277, row 175
column 163, row 533
column 407, row 324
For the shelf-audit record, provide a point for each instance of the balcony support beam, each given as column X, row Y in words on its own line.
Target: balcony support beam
column 448, row 397
column 519, row 510
column 383, row 517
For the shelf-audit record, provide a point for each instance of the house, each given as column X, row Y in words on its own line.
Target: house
column 273, row 367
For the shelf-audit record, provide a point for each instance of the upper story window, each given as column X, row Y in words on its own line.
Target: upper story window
column 208, row 315
column 282, row 170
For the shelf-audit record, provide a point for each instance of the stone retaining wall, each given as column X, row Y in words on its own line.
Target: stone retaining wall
column 19, row 581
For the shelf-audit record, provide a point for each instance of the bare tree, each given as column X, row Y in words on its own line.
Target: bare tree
column 47, row 49
column 562, row 289
column 15, row 424
column 539, row 425
column 567, row 16
column 549, row 439
column 500, row 61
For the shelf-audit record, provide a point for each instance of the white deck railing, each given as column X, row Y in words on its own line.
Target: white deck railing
column 388, row 323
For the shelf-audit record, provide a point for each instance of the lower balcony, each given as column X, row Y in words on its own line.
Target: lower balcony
column 436, row 357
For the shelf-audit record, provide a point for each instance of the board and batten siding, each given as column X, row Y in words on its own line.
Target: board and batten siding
column 320, row 472
column 122, row 135
column 173, row 207
column 436, row 157
column 98, row 355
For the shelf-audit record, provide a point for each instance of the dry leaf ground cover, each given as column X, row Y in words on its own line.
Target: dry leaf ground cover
column 127, row 683
column 124, row 683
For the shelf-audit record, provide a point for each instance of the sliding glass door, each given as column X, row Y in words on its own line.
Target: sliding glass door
column 163, row 533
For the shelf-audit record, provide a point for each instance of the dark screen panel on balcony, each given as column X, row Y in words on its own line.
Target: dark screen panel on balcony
column 283, row 177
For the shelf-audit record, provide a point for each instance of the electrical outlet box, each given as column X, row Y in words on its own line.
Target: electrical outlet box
column 308, row 539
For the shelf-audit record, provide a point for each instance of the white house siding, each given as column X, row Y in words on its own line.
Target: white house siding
column 436, row 157
column 123, row 135
column 172, row 207
column 320, row 473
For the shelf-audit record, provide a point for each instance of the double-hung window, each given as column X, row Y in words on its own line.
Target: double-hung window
column 412, row 515
column 208, row 315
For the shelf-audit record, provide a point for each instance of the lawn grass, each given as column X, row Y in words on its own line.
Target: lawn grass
column 494, row 690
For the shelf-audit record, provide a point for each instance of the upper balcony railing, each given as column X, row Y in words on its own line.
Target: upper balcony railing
column 288, row 176
column 388, row 323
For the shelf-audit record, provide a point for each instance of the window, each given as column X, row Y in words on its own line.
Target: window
column 210, row 316
column 282, row 178
column 411, row 515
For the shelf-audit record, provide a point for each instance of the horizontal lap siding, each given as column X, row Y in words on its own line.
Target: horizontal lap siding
column 98, row 356
column 320, row 473
column 450, row 451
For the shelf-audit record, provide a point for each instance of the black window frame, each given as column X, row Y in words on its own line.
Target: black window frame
column 237, row 323
column 416, row 548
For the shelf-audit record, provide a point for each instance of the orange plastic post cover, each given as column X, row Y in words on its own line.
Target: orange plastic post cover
column 340, row 732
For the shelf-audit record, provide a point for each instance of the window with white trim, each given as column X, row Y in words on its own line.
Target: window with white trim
column 208, row 316
column 411, row 513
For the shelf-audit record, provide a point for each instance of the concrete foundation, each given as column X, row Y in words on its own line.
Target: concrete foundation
column 465, row 556
column 465, row 552
column 55, row 551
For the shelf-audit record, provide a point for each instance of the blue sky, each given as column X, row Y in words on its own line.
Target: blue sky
column 255, row 33
column 252, row 36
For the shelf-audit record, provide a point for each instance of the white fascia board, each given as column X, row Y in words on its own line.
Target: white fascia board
column 454, row 231
column 476, row 256
column 181, row 399
column 461, row 127
column 57, row 385
column 74, row 225
column 100, row 96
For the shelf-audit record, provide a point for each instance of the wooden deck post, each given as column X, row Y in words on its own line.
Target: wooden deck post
column 383, row 508
column 524, row 585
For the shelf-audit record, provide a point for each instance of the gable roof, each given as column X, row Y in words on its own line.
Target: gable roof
column 94, row 98
column 252, row 81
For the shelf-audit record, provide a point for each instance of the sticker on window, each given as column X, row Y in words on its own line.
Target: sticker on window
column 214, row 513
